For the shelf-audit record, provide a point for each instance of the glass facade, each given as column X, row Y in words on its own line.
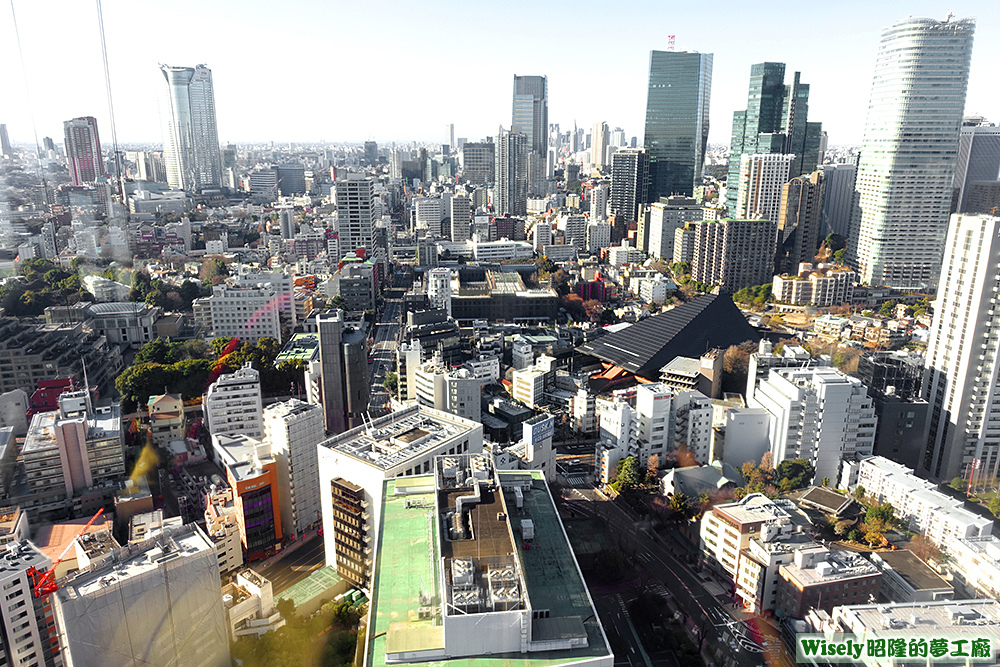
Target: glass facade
column 677, row 106
column 908, row 156
column 530, row 114
column 191, row 151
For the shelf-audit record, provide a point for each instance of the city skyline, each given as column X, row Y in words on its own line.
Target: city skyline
column 838, row 67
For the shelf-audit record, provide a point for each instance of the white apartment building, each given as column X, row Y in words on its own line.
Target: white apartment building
column 963, row 364
column 599, row 203
column 683, row 245
column 529, row 386
column 496, row 251
column 248, row 313
column 817, row 414
column 439, row 288
column 224, row 531
column 656, row 289
column 598, row 236
column 232, row 404
column 249, row 602
column 455, row 391
column 429, row 212
column 762, row 177
column 976, row 561
column 26, row 642
column 541, row 236
column 294, row 429
column 918, row 503
column 624, row 254
column 574, row 228
column 282, row 283
column 486, row 368
column 819, row 285
column 357, row 212
column 665, row 219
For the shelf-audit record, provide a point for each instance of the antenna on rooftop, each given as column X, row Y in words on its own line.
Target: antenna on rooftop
column 670, row 42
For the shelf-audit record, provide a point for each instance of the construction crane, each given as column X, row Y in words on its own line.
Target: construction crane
column 46, row 583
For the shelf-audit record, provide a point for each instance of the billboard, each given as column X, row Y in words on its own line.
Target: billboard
column 539, row 431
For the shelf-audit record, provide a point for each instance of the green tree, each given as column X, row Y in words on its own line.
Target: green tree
column 794, row 474
column 158, row 351
column 826, row 481
column 679, row 503
column 887, row 309
column 628, row 474
column 654, row 307
column 959, row 484
column 994, row 506
column 391, row 383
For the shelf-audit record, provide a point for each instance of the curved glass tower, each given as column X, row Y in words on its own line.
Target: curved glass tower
column 904, row 183
column 190, row 137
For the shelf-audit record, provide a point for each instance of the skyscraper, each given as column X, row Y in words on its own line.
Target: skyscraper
column 775, row 121
column 190, row 136
column 963, row 365
column 511, row 173
column 530, row 114
column 838, row 199
column 761, row 178
column 677, row 105
column 978, row 164
column 907, row 167
column 294, row 429
column 629, row 182
column 599, row 145
column 343, row 360
column 83, row 150
column 799, row 221
column 371, row 153
column 5, row 149
column 356, row 213
column 478, row 162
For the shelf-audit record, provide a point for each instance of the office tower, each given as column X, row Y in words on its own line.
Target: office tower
column 629, row 182
column 232, row 404
column 733, row 254
column 461, row 217
column 978, row 166
column 817, row 414
column 291, row 179
column 356, row 213
column 371, row 153
column 191, row 138
column 574, row 230
column 478, row 162
column 286, row 221
column 599, row 146
column 511, row 174
column 254, row 492
column 344, row 371
column 617, row 138
column 294, row 430
column 530, row 114
column 909, row 151
column 83, row 150
column 838, row 198
column 963, row 366
column 598, row 236
column 47, row 144
column 599, row 196
column 26, row 631
column 665, row 218
column 677, row 111
column 439, row 289
column 449, row 135
column 761, row 178
column 799, row 221
column 154, row 603
column 824, row 141
column 5, row 149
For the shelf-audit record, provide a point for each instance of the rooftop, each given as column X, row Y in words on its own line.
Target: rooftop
column 836, row 566
column 974, row 617
column 53, row 539
column 304, row 346
column 19, row 556
column 915, row 572
column 687, row 366
column 757, row 507
column 392, row 439
column 244, row 456
column 825, row 501
column 315, row 584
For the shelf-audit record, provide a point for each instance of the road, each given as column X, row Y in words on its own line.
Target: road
column 296, row 566
column 383, row 352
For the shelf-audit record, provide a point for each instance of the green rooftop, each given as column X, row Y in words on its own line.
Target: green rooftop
column 315, row 584
column 302, row 346
column 407, row 565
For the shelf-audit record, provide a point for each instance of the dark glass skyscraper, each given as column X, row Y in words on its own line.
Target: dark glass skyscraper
column 530, row 114
column 680, row 88
column 775, row 121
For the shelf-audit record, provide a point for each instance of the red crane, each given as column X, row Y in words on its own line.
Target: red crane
column 46, row 583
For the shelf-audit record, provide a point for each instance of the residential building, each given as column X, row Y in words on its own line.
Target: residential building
column 478, row 162
column 599, row 196
column 248, row 312
column 683, row 244
column 222, row 525
column 232, row 404
column 962, row 361
column 281, row 282
column 357, row 213
column 456, row 391
column 528, row 597
column 249, row 603
column 355, row 282
column 461, row 218
column 761, row 180
column 838, row 198
column 598, row 237
column 733, row 254
column 27, row 633
column 13, row 521
column 354, row 464
column 629, row 182
column 774, row 122
column 252, row 476
column 976, row 562
column 294, row 429
column 159, row 599
column 815, row 284
column 511, row 173
column 666, row 217
column 529, row 386
column 977, row 166
column 190, row 135
column 800, row 220
column 817, row 414
column 907, row 166
column 83, row 150
column 677, row 112
column 819, row 578
column 343, row 359
column 530, row 112
column 918, row 504
column 906, row 578
column 894, row 383
column 439, row 289
column 166, row 418
column 599, row 146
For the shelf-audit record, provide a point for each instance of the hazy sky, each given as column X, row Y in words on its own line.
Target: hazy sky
column 301, row 70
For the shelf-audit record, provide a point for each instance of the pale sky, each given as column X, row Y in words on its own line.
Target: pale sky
column 308, row 70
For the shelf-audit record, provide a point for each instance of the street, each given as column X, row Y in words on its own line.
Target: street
column 296, row 566
column 383, row 351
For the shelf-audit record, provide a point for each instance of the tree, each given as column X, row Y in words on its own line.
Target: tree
column 826, row 482
column 654, row 308
column 653, row 467
column 767, row 462
column 854, row 535
column 628, row 474
column 887, row 309
column 924, row 549
column 994, row 506
column 794, row 474
column 158, row 351
column 391, row 382
column 959, row 484
column 679, row 503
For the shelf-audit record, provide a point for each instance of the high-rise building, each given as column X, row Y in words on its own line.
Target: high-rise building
column 27, row 633
column 478, row 162
column 909, row 151
column 963, row 366
column 733, row 254
column 629, row 182
column 356, row 213
column 775, row 121
column 294, row 429
column 978, row 164
column 449, row 135
column 838, row 198
column 5, row 149
column 599, row 196
column 574, row 230
column 761, row 178
column 677, row 112
column 190, row 136
column 511, row 196
column 665, row 218
column 344, row 371
column 461, row 217
column 371, row 153
column 83, row 150
column 232, row 404
column 799, row 221
column 599, row 146
column 153, row 603
column 598, row 236
column 530, row 112
column 439, row 289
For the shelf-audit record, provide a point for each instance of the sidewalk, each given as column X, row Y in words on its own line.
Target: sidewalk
column 267, row 562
